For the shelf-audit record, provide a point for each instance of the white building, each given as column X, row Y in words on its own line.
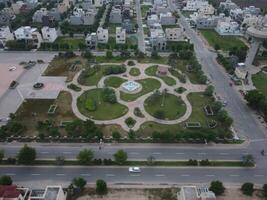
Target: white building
column 228, row 5
column 120, row 35
column 50, row 193
column 91, row 40
column 174, row 34
column 194, row 5
column 249, row 20
column 98, row 3
column 30, row 34
column 152, row 19
column 167, row 19
column 115, row 16
column 102, row 35
column 49, row 34
column 206, row 9
column 38, row 15
column 5, row 35
column 227, row 27
column 195, row 193
column 158, row 39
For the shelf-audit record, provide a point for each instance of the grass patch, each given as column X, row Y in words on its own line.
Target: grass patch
column 145, row 9
column 172, row 106
column 112, row 28
column 134, row 71
column 152, row 71
column 260, row 82
column 74, row 43
column 114, row 81
column 148, row 85
column 226, row 43
column 104, row 110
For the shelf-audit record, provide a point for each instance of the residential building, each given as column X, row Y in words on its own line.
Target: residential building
column 12, row 192
column 89, row 17
column 158, row 2
column 206, row 9
column 16, row 6
column 252, row 10
column 152, row 19
column 102, row 35
column 38, row 15
column 120, row 35
column 5, row 35
column 91, row 40
column 228, row 5
column 237, row 14
column 29, row 34
column 115, row 16
column 208, row 22
column 63, row 6
column 127, row 25
column 81, row 17
column 49, row 34
column 249, row 20
column 167, row 19
column 160, row 9
column 227, row 27
column 98, row 3
column 174, row 34
column 50, row 193
column 6, row 15
column 195, row 193
column 55, row 14
column 158, row 40
column 194, row 5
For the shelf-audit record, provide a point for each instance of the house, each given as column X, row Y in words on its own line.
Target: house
column 115, row 16
column 50, row 193
column 227, row 5
column 237, row 14
column 49, row 34
column 63, row 6
column 38, row 15
column 82, row 17
column 120, row 35
column 167, row 19
column 174, row 34
column 91, row 40
column 102, row 35
column 152, row 19
column 12, row 192
column 127, row 25
column 194, row 5
column 55, row 14
column 28, row 34
column 195, row 193
column 89, row 17
column 208, row 22
column 158, row 40
column 98, row 3
column 5, row 35
column 6, row 15
column 160, row 9
column 241, row 71
column 206, row 9
column 252, row 10
column 16, row 7
column 227, row 27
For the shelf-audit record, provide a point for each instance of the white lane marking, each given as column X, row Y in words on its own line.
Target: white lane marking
column 10, row 174
column 110, row 174
column 179, row 153
column 234, row 175
column 135, row 175
column 85, row 174
column 35, row 174
column 185, row 175
column 60, row 174
column 224, row 153
column 134, row 153
column 44, row 152
column 259, row 175
column 202, row 153
column 160, row 175
column 156, row 153
column 66, row 152
column 210, row 175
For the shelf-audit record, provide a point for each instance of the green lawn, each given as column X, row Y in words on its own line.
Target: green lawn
column 148, row 85
column 225, row 42
column 172, row 106
column 260, row 82
column 134, row 71
column 144, row 9
column 152, row 71
column 112, row 28
column 114, row 81
column 72, row 42
column 104, row 110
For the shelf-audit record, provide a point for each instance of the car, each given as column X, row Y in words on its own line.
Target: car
column 13, row 85
column 134, row 169
column 12, row 68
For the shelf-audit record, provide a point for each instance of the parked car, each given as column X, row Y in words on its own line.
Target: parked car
column 134, row 169
column 12, row 68
column 13, row 85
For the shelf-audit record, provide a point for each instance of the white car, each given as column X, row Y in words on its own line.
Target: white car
column 134, row 169
column 12, row 68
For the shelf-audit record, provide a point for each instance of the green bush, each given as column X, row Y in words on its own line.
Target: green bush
column 192, row 162
column 101, row 187
column 247, row 188
column 26, row 155
column 120, row 157
column 130, row 122
column 217, row 187
column 116, row 135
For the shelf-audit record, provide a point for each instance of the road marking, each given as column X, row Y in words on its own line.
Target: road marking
column 85, row 174
column 185, row 175
column 66, row 152
column 259, row 175
column 156, row 153
column 110, row 174
column 160, row 175
column 135, row 175
column 234, row 175
column 60, row 174
column 35, row 174
column 201, row 153
column 10, row 174
column 224, row 153
column 134, row 153
column 210, row 175
column 44, row 152
column 179, row 153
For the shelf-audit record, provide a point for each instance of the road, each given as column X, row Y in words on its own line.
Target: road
column 140, row 31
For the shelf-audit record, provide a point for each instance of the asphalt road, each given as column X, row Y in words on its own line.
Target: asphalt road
column 140, row 31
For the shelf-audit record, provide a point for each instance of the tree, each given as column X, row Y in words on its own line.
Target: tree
column 248, row 160
column 209, row 91
column 109, row 54
column 224, row 118
column 120, row 157
column 217, row 47
column 60, row 160
column 2, row 155
column 5, row 180
column 151, row 160
column 264, row 190
column 26, row 155
column 131, row 134
column 216, row 106
column 154, row 54
column 101, row 187
column 116, row 135
column 247, row 188
column 79, row 182
column 85, row 156
column 255, row 99
column 217, row 187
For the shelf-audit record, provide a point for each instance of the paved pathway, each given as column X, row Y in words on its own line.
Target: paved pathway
column 139, row 102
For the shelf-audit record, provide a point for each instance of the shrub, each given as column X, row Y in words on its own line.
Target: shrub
column 160, row 114
column 107, row 162
column 101, row 187
column 2, row 154
column 131, row 63
column 85, row 156
column 11, row 161
column 204, row 162
column 247, row 188
column 217, row 187
column 264, row 190
column 79, row 182
column 192, row 162
column 109, row 95
column 114, row 69
column 97, row 161
column 5, row 180
column 131, row 134
column 130, row 122
column 120, row 157
column 26, row 155
column 116, row 135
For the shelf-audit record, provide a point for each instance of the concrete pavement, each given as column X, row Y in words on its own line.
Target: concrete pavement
column 140, row 31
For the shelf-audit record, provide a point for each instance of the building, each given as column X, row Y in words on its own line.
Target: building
column 38, row 15
column 50, row 193
column 206, row 10
column 91, row 40
column 63, row 6
column 115, row 16
column 5, row 35
column 227, row 5
column 152, row 19
column 49, row 34
column 249, row 20
column 252, row 10
column 17, row 6
column 208, row 22
column 6, row 15
column 55, row 14
column 241, row 71
column 98, row 3
column 28, row 34
column 195, row 193
column 174, row 34
column 89, row 17
column 158, row 40
column 120, row 35
column 12, row 192
column 82, row 17
column 102, row 35
column 167, row 19
column 127, row 25
column 227, row 27
column 194, row 5
column 237, row 14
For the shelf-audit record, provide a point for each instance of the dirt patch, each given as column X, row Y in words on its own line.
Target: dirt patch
column 236, row 194
column 108, row 129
